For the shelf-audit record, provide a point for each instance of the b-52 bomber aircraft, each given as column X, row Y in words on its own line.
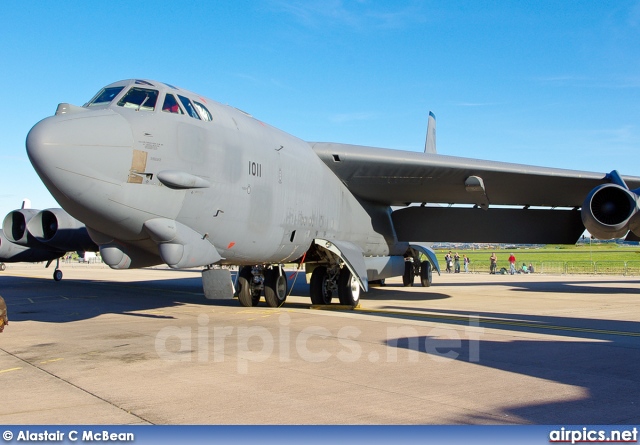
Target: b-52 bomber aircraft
column 162, row 175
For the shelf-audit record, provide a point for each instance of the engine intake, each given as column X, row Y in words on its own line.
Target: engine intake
column 57, row 229
column 14, row 227
column 609, row 211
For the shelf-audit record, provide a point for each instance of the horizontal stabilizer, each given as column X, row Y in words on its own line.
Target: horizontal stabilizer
column 518, row 226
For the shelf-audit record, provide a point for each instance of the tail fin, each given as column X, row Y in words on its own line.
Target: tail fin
column 430, row 143
column 26, row 203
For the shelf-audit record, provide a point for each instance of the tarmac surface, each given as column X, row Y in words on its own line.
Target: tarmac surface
column 146, row 347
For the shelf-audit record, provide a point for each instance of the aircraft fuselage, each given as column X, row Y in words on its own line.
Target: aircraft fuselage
column 259, row 195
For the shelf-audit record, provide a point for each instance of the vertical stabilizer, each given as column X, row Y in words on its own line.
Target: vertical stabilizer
column 26, row 203
column 430, row 143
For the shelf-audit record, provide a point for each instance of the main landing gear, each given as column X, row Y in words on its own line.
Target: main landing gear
column 57, row 273
column 253, row 280
column 413, row 268
column 330, row 281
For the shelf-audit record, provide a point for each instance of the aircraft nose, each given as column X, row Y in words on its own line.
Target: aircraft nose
column 71, row 151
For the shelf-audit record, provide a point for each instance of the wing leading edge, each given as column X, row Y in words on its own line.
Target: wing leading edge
column 393, row 177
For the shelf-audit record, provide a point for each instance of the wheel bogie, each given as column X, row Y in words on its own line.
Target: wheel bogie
column 409, row 274
column 348, row 288
column 275, row 287
column 321, row 286
column 248, row 294
column 425, row 273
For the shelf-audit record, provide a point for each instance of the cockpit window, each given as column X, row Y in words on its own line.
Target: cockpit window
column 140, row 99
column 105, row 96
column 202, row 110
column 191, row 111
column 170, row 105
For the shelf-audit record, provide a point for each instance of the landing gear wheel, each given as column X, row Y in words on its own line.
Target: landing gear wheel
column 348, row 288
column 3, row 267
column 409, row 274
column 425, row 273
column 275, row 287
column 246, row 295
column 320, row 286
column 57, row 275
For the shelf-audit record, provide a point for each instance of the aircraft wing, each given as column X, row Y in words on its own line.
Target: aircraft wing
column 394, row 177
column 397, row 177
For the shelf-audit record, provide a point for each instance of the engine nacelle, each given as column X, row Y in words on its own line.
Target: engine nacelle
column 609, row 211
column 56, row 228
column 15, row 253
column 14, row 227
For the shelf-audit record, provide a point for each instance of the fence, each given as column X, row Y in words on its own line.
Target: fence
column 626, row 268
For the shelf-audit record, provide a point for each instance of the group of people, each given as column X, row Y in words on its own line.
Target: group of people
column 452, row 262
column 493, row 265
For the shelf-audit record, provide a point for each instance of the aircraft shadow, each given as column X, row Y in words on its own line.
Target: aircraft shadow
column 568, row 286
column 605, row 371
column 69, row 300
column 604, row 364
column 39, row 299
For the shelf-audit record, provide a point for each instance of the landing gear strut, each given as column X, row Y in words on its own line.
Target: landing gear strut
column 249, row 286
column 323, row 284
column 252, row 280
column 57, row 273
column 409, row 273
column 275, row 286
column 424, row 271
column 348, row 288
column 326, row 282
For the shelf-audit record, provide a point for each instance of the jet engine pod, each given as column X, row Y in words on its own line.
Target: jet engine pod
column 610, row 211
column 15, row 253
column 14, row 227
column 56, row 228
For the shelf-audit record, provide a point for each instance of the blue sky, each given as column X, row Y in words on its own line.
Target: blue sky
column 547, row 83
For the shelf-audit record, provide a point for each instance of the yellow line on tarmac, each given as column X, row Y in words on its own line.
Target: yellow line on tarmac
column 333, row 307
column 485, row 320
column 500, row 322
column 52, row 360
column 9, row 370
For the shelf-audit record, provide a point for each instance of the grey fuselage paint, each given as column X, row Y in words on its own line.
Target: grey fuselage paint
column 254, row 184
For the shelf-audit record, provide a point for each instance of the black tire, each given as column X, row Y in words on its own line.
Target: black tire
column 409, row 274
column 57, row 275
column 425, row 273
column 246, row 297
column 348, row 288
column 320, row 293
column 275, row 287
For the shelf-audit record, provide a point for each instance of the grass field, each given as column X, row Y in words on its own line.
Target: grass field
column 598, row 258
